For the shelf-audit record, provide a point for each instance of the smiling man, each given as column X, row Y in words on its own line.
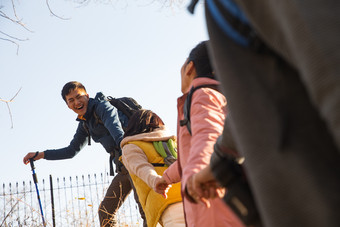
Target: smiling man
column 102, row 122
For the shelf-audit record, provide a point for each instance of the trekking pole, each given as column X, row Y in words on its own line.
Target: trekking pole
column 35, row 179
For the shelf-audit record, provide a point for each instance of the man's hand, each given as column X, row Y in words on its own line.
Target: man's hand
column 35, row 155
column 162, row 187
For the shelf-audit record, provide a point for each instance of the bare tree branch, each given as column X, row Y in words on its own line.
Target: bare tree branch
column 8, row 40
column 7, row 103
column 12, row 37
column 2, row 14
column 14, row 10
column 11, row 100
column 49, row 8
column 15, row 95
column 8, row 214
column 17, row 21
column 10, row 114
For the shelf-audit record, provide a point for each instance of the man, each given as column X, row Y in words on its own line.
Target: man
column 284, row 94
column 103, row 122
column 206, row 120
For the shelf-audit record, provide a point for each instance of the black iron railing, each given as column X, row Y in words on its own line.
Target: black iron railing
column 66, row 201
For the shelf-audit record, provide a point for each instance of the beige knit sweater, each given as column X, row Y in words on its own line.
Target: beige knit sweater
column 134, row 158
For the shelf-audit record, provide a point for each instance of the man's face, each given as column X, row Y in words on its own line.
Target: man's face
column 77, row 100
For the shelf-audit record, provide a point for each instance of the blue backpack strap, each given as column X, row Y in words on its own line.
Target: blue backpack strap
column 233, row 23
column 192, row 5
column 231, row 20
column 187, row 104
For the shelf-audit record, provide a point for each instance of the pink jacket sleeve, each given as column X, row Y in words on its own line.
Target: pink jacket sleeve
column 171, row 174
column 208, row 111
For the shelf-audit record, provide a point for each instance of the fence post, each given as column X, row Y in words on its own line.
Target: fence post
column 17, row 187
column 52, row 200
column 4, row 202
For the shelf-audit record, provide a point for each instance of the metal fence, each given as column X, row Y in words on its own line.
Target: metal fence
column 67, row 201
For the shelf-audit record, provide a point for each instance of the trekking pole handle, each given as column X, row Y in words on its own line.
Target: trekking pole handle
column 31, row 163
column 32, row 159
column 35, row 179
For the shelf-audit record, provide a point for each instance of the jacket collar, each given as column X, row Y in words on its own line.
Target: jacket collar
column 159, row 134
column 202, row 80
column 198, row 81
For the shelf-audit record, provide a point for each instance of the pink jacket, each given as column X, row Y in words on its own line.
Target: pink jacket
column 207, row 119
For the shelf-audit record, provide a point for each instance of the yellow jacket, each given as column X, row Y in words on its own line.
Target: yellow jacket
column 138, row 154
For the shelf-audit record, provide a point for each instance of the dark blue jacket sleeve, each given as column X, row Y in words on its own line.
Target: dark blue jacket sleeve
column 79, row 140
column 109, row 115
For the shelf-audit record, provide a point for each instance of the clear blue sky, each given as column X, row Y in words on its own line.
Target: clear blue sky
column 122, row 49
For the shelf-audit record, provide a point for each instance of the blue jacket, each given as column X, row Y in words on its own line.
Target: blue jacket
column 103, row 122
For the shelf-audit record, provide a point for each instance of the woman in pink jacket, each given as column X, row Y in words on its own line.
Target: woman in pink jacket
column 208, row 111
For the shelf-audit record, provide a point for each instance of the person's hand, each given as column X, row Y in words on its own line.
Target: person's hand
column 162, row 187
column 35, row 155
column 202, row 186
column 195, row 191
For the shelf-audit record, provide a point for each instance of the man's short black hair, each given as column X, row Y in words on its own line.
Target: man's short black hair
column 70, row 86
column 200, row 57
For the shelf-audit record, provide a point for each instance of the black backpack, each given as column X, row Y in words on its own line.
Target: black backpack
column 125, row 104
column 187, row 104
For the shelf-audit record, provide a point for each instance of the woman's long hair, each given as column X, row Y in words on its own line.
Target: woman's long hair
column 143, row 121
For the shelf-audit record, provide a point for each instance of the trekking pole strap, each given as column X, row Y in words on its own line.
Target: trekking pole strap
column 32, row 160
column 35, row 155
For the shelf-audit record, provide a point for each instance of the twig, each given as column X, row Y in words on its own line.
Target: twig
column 10, row 114
column 8, row 40
column 2, row 14
column 16, row 94
column 12, row 208
column 14, row 10
column 49, row 8
column 11, row 100
column 12, row 37
column 9, row 109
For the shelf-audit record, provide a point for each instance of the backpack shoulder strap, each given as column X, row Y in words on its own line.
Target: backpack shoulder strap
column 187, row 104
column 166, row 149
